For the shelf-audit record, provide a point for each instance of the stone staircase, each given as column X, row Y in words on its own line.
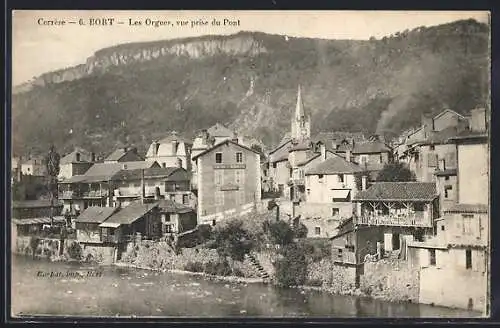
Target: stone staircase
column 262, row 273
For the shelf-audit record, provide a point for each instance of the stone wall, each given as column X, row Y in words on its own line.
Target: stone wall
column 48, row 248
column 392, row 280
column 100, row 254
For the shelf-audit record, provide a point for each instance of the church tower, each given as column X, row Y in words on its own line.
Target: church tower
column 301, row 121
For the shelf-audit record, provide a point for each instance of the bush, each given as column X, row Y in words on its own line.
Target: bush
column 314, row 282
column 233, row 241
column 280, row 232
column 238, row 273
column 221, row 268
column 75, row 251
column 193, row 267
column 291, row 269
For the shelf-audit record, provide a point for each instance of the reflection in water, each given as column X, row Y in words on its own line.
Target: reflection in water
column 130, row 292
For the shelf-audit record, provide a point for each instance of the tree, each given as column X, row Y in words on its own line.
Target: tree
column 291, row 269
column 394, row 172
column 233, row 241
column 52, row 163
column 280, row 232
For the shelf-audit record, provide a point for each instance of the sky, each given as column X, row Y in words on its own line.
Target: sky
column 39, row 48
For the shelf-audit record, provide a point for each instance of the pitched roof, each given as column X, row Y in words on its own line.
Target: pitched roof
column 219, row 130
column 286, row 140
column 119, row 153
column 43, row 220
column 304, row 145
column 339, row 136
column 131, row 213
column 334, row 165
column 107, row 171
column 370, row 147
column 153, row 172
column 468, row 208
column 399, row 191
column 470, row 135
column 85, row 156
column 174, row 136
column 95, row 214
column 38, row 203
column 438, row 137
column 170, row 206
column 225, row 142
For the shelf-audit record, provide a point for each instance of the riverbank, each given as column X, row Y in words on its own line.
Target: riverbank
column 211, row 277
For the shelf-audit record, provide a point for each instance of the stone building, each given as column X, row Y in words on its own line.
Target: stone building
column 171, row 151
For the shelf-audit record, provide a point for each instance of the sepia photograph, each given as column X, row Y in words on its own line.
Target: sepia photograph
column 250, row 164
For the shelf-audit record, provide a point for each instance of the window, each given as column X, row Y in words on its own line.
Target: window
column 431, row 147
column 219, row 177
column 239, row 157
column 308, row 191
column 381, row 159
column 468, row 259
column 168, row 228
column 339, row 254
column 335, row 211
column 363, row 159
column 446, row 178
column 274, row 165
column 341, row 178
column 213, row 223
column 467, row 227
column 442, row 228
column 239, row 176
column 320, row 178
column 185, row 199
column 432, row 257
column 218, row 158
column 447, row 191
column 317, row 231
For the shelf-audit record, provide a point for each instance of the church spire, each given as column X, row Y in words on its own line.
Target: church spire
column 299, row 109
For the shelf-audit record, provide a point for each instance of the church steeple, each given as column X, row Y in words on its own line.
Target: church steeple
column 301, row 121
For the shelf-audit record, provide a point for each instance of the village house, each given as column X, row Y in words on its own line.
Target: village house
column 170, row 183
column 171, row 151
column 96, row 186
column 229, row 181
column 430, row 145
column 33, row 166
column 176, row 218
column 458, row 255
column 15, row 170
column 39, row 208
column 139, row 220
column 330, row 186
column 406, row 211
column 75, row 163
column 87, row 224
column 350, row 246
column 372, row 156
column 279, row 173
column 124, row 154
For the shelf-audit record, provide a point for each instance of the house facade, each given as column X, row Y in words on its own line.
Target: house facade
column 229, row 181
column 33, row 166
column 87, row 224
column 171, row 151
column 459, row 254
column 124, row 154
column 39, row 208
column 75, row 163
column 405, row 211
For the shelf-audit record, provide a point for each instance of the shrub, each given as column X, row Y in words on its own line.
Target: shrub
column 280, row 232
column 193, row 267
column 238, row 273
column 314, row 282
column 75, row 251
column 221, row 268
column 291, row 269
column 233, row 241
column 34, row 242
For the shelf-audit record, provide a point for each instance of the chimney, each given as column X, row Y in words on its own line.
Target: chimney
column 143, row 187
column 363, row 182
column 428, row 124
column 322, row 148
column 348, row 155
column 125, row 149
column 77, row 155
column 92, row 155
column 478, row 120
column 234, row 137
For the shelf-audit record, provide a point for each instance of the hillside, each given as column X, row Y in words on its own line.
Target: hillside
column 131, row 92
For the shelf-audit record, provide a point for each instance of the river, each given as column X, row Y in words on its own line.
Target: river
column 114, row 291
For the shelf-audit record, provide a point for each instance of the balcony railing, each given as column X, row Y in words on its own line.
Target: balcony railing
column 411, row 220
column 72, row 194
column 296, row 181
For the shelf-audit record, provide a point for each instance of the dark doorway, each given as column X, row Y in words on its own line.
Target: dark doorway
column 395, row 241
column 468, row 259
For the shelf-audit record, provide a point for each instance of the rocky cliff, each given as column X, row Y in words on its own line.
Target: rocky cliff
column 248, row 81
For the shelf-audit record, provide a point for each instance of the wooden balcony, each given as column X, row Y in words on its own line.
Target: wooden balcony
column 410, row 220
column 73, row 194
